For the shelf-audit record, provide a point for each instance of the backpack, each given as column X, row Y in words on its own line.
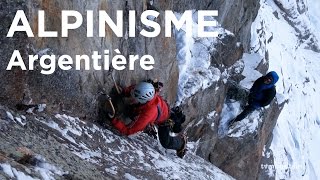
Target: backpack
column 176, row 114
column 178, row 117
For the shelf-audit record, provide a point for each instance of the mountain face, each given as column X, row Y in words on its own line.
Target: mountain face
column 58, row 133
column 80, row 87
column 285, row 33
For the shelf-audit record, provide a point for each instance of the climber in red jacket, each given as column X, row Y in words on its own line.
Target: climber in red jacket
column 148, row 108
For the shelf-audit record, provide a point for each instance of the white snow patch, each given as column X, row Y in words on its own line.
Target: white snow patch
column 193, row 55
column 19, row 120
column 229, row 112
column 71, row 124
column 112, row 170
column 64, row 132
column 14, row 173
column 251, row 62
column 6, row 168
column 199, row 122
column 10, row 116
column 46, row 170
column 23, row 117
column 212, row 115
column 246, row 126
column 41, row 107
column 130, row 177
column 21, row 176
column 30, row 110
column 89, row 155
column 281, row 98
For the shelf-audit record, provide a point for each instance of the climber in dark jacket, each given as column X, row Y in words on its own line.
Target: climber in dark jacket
column 261, row 94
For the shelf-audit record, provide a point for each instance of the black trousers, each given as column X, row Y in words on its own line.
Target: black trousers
column 246, row 111
column 167, row 141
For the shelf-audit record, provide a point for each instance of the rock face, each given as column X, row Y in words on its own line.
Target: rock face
column 237, row 17
column 79, row 88
column 82, row 86
column 76, row 91
column 241, row 157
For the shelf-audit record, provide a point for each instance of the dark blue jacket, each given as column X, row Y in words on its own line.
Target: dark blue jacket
column 262, row 94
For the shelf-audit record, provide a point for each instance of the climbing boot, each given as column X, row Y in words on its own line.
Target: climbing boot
column 181, row 152
column 231, row 123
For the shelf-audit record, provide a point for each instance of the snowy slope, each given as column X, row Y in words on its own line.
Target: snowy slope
column 119, row 157
column 287, row 32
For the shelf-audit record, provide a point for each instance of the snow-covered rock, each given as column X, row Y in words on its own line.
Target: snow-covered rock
column 64, row 146
column 287, row 33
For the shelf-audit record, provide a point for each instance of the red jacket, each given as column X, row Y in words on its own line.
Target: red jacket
column 155, row 111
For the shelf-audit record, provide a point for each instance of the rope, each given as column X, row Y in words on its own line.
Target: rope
column 112, row 107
